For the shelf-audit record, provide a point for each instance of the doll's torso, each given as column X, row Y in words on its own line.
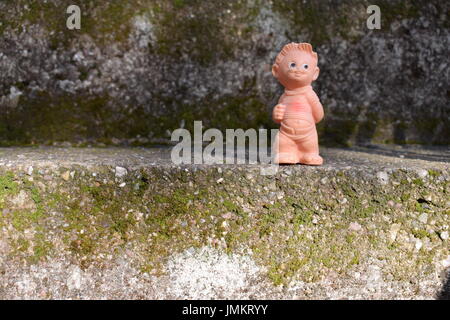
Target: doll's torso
column 298, row 113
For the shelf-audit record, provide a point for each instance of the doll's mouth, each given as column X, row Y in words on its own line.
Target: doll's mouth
column 298, row 74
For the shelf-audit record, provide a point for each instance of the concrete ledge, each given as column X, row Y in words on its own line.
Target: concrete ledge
column 126, row 223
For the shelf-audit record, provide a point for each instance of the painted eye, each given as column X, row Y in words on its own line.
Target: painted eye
column 305, row 66
column 292, row 65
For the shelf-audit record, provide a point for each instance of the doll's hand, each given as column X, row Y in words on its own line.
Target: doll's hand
column 278, row 112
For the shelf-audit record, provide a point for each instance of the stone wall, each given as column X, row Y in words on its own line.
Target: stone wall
column 138, row 69
column 125, row 223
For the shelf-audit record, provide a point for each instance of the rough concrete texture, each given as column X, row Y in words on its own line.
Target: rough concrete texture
column 103, row 223
column 138, row 69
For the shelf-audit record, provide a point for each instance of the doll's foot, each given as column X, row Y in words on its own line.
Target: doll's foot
column 285, row 158
column 312, row 160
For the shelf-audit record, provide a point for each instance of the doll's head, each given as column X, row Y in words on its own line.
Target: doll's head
column 296, row 65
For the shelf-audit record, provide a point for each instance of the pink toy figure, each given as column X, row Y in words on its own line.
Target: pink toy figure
column 299, row 108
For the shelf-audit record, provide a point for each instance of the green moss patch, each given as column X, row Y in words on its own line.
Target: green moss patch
column 297, row 225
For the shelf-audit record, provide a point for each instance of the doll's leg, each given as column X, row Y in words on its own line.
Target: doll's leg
column 286, row 150
column 309, row 150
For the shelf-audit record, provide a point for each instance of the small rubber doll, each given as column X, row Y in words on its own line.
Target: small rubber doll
column 298, row 109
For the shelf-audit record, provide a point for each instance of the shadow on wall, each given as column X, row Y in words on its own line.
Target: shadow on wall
column 444, row 294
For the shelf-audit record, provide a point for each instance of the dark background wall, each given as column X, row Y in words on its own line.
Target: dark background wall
column 138, row 69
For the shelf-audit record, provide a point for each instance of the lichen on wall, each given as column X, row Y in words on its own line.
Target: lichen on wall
column 138, row 69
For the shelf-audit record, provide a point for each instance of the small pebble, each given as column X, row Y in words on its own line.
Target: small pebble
column 383, row 177
column 121, row 172
column 423, row 217
column 66, row 176
column 418, row 245
column 446, row 263
column 422, row 173
column 355, row 226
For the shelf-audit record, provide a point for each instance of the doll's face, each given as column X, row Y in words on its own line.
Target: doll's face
column 297, row 69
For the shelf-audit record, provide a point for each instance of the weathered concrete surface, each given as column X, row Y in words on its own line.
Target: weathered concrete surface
column 368, row 158
column 88, row 223
column 138, row 69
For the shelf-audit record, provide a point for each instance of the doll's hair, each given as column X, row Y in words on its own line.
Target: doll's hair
column 295, row 46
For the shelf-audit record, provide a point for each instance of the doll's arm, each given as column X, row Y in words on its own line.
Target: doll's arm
column 278, row 111
column 280, row 101
column 316, row 106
